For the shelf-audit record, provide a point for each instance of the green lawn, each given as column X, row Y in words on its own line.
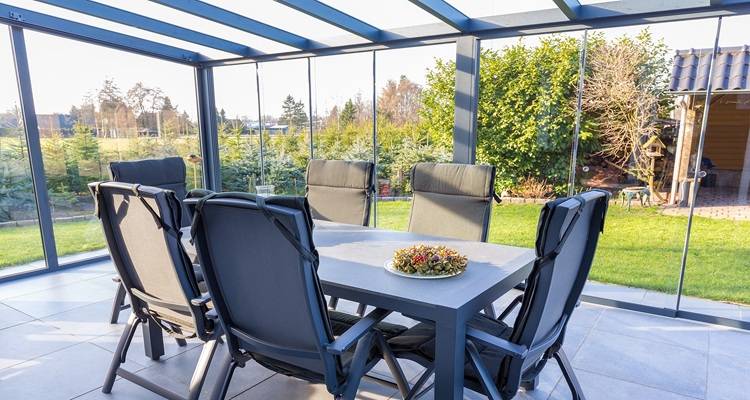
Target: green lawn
column 639, row 248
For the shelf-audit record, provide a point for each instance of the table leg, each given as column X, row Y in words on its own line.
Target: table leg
column 450, row 342
column 153, row 342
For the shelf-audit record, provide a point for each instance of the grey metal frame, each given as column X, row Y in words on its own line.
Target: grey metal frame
column 570, row 16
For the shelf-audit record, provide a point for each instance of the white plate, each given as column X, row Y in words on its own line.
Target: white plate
column 389, row 267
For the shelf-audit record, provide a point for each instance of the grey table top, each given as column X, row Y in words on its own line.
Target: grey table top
column 352, row 259
column 354, row 256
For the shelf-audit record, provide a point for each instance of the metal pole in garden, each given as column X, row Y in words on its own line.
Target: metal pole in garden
column 260, row 128
column 579, row 105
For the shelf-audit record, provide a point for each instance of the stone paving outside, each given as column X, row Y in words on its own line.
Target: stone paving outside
column 56, row 343
column 715, row 203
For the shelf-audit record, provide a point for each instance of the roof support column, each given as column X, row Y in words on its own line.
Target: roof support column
column 31, row 128
column 209, row 135
column 467, row 94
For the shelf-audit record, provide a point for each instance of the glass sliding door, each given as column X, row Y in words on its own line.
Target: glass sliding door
column 102, row 105
column 526, row 124
column 20, row 239
column 285, row 125
column 415, row 108
column 239, row 127
column 716, row 281
column 639, row 122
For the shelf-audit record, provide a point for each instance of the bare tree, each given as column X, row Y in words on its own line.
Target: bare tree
column 626, row 92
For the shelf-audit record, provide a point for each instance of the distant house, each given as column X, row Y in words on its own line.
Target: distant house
column 727, row 143
column 50, row 123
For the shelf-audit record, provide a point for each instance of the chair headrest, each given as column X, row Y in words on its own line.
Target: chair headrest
column 454, row 179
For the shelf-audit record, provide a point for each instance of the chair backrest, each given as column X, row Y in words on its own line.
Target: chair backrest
column 165, row 173
column 260, row 265
column 452, row 200
column 141, row 227
column 567, row 236
column 340, row 191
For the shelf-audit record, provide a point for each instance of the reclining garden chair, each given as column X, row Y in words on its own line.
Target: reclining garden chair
column 340, row 191
column 260, row 265
column 165, row 173
column 142, row 228
column 502, row 358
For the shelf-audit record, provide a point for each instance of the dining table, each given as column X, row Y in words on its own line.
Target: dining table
column 352, row 267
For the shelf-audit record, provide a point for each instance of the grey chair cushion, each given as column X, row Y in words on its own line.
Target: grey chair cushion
column 166, row 173
column 452, row 200
column 339, row 191
column 341, row 321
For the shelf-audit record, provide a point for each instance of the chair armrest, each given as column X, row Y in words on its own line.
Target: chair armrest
column 353, row 334
column 504, row 346
column 201, row 301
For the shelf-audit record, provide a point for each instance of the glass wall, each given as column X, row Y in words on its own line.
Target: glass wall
column 96, row 105
column 526, row 124
column 718, row 260
column 20, row 239
column 415, row 91
column 633, row 117
column 285, row 125
column 239, row 127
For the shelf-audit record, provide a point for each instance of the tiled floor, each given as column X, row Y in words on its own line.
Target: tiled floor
column 56, row 343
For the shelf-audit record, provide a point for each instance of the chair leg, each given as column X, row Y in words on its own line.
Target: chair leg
column 228, row 366
column 201, row 369
column 361, row 308
column 569, row 375
column 117, row 304
column 415, row 392
column 357, row 367
column 531, row 384
column 181, row 342
column 490, row 311
column 333, row 302
column 393, row 366
column 122, row 349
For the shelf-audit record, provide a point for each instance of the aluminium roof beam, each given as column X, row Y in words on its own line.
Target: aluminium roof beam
column 237, row 21
column 33, row 20
column 335, row 17
column 568, row 7
column 139, row 21
column 445, row 12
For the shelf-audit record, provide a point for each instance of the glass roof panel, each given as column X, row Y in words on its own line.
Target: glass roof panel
column 283, row 17
column 119, row 28
column 199, row 24
column 486, row 8
column 381, row 15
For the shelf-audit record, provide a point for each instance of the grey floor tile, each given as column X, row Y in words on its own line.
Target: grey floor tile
column 728, row 378
column 651, row 327
column 60, row 375
column 730, row 342
column 586, row 315
column 24, row 342
column 614, row 292
column 136, row 352
column 283, row 387
column 126, row 390
column 599, row 387
column 10, row 317
column 61, row 298
column 656, row 364
column 91, row 320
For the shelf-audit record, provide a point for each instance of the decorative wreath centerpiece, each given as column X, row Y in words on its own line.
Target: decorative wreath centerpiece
column 429, row 260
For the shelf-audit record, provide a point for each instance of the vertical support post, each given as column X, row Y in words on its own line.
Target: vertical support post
column 698, row 157
column 375, row 138
column 260, row 128
column 209, row 135
column 309, row 106
column 33, row 143
column 466, row 100
column 579, row 105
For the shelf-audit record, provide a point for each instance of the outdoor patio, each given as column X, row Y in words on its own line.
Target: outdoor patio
column 56, row 344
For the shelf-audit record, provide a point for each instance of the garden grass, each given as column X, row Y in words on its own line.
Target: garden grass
column 639, row 248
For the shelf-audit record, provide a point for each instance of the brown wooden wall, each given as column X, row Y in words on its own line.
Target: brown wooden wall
column 728, row 127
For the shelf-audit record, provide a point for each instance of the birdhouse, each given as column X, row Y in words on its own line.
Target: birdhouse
column 654, row 147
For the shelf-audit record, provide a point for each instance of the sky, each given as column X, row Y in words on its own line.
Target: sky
column 63, row 71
